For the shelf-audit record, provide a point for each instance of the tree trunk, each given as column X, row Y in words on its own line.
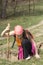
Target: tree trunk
column 29, row 7
column 4, row 5
column 14, row 2
column 0, row 7
column 33, row 6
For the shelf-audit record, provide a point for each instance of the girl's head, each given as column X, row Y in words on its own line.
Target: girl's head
column 18, row 30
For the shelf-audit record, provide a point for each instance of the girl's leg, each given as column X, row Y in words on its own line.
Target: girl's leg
column 26, row 44
column 34, row 49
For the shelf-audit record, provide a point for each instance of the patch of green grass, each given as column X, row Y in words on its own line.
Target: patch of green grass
column 39, row 39
column 4, row 62
column 25, row 21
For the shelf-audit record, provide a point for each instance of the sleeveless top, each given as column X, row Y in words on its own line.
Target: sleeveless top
column 19, row 41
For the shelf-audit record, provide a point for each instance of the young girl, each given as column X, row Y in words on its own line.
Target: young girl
column 25, row 42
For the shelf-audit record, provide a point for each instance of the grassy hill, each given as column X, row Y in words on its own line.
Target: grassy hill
column 26, row 22
column 35, row 24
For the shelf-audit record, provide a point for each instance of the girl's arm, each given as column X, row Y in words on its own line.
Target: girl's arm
column 5, row 33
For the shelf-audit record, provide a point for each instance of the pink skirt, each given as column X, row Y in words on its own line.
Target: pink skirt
column 20, row 52
column 33, row 48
